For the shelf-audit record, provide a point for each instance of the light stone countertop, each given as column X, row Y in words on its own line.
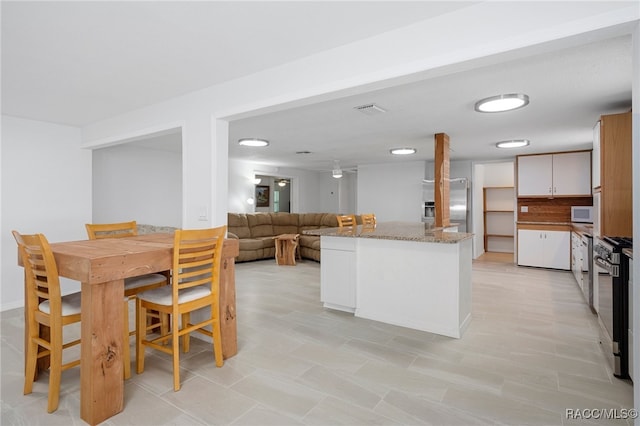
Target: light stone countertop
column 399, row 231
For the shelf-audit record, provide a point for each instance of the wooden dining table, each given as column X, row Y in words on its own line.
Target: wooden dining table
column 101, row 266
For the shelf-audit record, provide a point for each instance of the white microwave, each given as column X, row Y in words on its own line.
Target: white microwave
column 582, row 214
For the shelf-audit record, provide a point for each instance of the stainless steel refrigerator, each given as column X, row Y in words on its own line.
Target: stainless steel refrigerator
column 458, row 202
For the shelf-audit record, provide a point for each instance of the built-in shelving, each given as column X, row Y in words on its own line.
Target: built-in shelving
column 499, row 222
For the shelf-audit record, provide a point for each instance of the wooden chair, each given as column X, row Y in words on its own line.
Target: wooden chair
column 368, row 219
column 345, row 220
column 45, row 306
column 195, row 285
column 132, row 285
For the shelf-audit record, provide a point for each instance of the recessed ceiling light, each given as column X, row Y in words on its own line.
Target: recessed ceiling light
column 403, row 151
column 253, row 142
column 502, row 103
column 516, row 143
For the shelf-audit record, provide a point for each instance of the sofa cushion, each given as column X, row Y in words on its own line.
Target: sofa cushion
column 251, row 244
column 284, row 223
column 310, row 241
column 238, row 224
column 329, row 220
column 260, row 225
column 310, row 221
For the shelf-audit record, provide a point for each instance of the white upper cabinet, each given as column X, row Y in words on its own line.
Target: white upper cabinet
column 535, row 175
column 552, row 175
column 572, row 173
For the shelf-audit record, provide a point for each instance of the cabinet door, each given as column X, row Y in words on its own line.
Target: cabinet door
column 529, row 247
column 338, row 273
column 535, row 175
column 572, row 173
column 595, row 157
column 556, row 249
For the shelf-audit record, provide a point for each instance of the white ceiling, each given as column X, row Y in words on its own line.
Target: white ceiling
column 79, row 62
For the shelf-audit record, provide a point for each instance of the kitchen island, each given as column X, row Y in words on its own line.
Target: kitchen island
column 401, row 273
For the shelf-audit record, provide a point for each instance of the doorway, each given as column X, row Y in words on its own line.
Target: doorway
column 273, row 194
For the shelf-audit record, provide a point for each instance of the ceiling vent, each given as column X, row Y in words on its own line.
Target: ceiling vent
column 370, row 109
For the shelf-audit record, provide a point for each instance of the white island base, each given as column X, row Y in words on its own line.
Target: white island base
column 416, row 284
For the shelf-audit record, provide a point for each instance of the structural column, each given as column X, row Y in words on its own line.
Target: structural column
column 442, row 180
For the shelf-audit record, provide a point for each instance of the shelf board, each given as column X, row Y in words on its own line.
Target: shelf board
column 499, row 211
column 499, row 235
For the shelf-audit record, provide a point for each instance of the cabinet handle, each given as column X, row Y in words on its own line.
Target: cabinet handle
column 549, row 190
column 554, row 190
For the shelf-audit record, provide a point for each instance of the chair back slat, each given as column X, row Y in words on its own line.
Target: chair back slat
column 346, row 220
column 41, row 271
column 196, row 258
column 368, row 219
column 111, row 230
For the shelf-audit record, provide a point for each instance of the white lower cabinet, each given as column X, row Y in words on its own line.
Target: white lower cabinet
column 544, row 248
column 338, row 273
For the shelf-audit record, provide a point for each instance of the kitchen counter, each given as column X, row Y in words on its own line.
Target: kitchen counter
column 398, row 231
column 581, row 228
column 402, row 273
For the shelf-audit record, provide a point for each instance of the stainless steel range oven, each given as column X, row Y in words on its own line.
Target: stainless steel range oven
column 611, row 277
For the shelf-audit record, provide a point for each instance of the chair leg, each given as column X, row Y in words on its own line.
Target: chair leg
column 126, row 351
column 175, row 342
column 141, row 333
column 31, row 362
column 217, row 343
column 164, row 324
column 55, row 370
column 186, row 338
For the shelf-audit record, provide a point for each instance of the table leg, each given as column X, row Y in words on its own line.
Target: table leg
column 228, row 308
column 101, row 380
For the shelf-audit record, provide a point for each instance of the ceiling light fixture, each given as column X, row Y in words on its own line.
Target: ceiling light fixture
column 502, row 103
column 282, row 183
column 516, row 143
column 253, row 142
column 337, row 171
column 403, row 151
column 256, row 180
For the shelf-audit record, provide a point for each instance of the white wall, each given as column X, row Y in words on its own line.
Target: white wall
column 46, row 188
column 133, row 183
column 306, row 186
column 393, row 191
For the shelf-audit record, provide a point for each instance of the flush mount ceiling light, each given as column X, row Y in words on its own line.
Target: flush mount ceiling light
column 253, row 142
column 502, row 103
column 256, row 181
column 516, row 143
column 403, row 151
column 282, row 183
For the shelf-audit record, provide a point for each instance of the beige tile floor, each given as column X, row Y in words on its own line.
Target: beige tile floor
column 530, row 353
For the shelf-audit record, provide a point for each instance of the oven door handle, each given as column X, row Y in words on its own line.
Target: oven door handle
column 612, row 269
